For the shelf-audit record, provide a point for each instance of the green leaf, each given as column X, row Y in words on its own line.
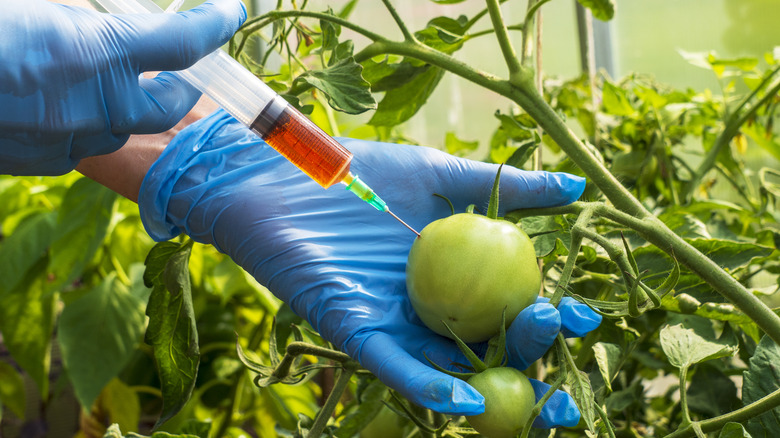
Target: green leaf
column 114, row 432
column 120, row 403
column 343, row 86
column 172, row 333
column 719, row 66
column 156, row 261
column 400, row 104
column 615, row 100
column 98, row 333
column 734, row 430
column 23, row 248
column 761, row 379
column 384, row 76
column 450, row 30
column 686, row 346
column 608, row 359
column 12, row 392
column 545, row 232
column 581, row 391
column 82, row 224
column 371, row 402
column 522, row 154
column 711, row 392
column 728, row 254
column 604, row 10
column 456, row 146
column 26, row 323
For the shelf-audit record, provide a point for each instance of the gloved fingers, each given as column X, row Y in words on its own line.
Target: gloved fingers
column 560, row 409
column 577, row 319
column 418, row 382
column 176, row 41
column 168, row 99
column 531, row 334
column 518, row 188
column 462, row 181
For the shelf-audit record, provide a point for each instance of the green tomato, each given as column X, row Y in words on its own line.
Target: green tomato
column 466, row 269
column 509, row 399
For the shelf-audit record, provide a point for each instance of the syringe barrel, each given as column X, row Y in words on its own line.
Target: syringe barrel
column 220, row 77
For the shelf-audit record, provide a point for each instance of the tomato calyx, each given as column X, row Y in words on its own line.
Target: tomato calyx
column 495, row 357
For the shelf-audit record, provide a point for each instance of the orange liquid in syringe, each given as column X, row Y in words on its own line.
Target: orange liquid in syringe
column 305, row 145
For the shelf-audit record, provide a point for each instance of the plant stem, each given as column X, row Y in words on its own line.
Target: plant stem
column 333, row 400
column 738, row 416
column 408, row 36
column 537, row 409
column 657, row 233
column 684, row 396
column 574, row 251
column 502, row 35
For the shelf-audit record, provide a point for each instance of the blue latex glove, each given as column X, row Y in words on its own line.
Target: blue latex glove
column 339, row 263
column 69, row 78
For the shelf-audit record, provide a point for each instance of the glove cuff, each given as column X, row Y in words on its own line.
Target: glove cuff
column 158, row 184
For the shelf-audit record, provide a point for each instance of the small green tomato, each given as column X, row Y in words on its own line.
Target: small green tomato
column 509, row 399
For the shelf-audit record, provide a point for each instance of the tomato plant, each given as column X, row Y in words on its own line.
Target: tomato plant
column 465, row 269
column 679, row 251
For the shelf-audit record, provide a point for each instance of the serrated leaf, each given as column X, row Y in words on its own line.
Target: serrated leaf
column 582, row 393
column 685, row 346
column 545, row 233
column 343, row 86
column 401, row 103
column 734, row 430
column 607, row 358
column 384, row 76
column 172, row 333
column 761, row 379
column 604, row 10
column 728, row 254
column 98, row 333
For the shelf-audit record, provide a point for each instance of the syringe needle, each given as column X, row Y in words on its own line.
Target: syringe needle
column 405, row 224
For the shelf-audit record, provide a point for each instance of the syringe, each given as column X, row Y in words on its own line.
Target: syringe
column 253, row 103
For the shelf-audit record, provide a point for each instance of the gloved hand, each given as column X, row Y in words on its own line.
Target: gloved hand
column 69, row 78
column 339, row 263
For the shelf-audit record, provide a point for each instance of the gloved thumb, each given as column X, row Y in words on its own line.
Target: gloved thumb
column 169, row 98
column 158, row 42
